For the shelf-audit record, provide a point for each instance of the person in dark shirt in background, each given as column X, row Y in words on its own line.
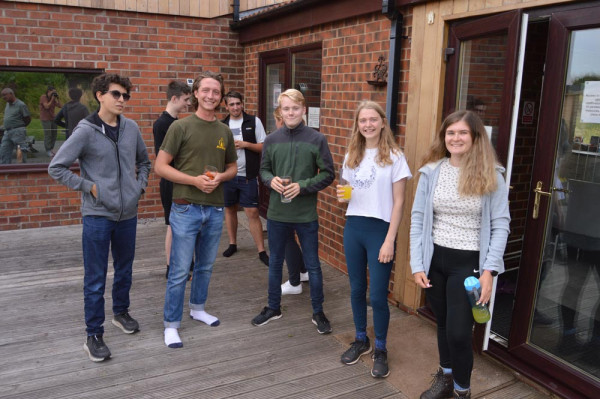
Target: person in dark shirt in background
column 69, row 116
column 178, row 95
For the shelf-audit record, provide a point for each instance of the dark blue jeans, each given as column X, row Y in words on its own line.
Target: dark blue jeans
column 100, row 235
column 363, row 237
column 294, row 261
column 308, row 234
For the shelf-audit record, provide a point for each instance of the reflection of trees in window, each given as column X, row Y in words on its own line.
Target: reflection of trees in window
column 30, row 85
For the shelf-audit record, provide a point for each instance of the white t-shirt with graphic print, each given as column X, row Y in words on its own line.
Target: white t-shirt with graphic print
column 372, row 194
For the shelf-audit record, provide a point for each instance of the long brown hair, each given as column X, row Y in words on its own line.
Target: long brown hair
column 387, row 143
column 478, row 170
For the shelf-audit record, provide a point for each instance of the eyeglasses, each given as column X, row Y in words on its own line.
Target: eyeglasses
column 117, row 94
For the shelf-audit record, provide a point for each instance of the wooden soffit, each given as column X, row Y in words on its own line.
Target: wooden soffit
column 302, row 14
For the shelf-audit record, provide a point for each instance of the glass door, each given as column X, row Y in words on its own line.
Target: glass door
column 273, row 81
column 563, row 227
column 299, row 68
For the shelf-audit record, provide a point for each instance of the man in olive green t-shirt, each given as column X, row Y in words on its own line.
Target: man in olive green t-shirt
column 196, row 219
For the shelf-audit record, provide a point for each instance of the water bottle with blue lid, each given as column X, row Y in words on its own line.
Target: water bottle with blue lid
column 481, row 313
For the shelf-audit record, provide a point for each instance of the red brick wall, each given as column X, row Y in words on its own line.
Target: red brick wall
column 150, row 49
column 350, row 52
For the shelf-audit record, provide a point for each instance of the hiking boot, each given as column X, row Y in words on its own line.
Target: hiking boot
column 462, row 394
column 319, row 320
column 442, row 386
column 356, row 350
column 266, row 316
column 126, row 323
column 380, row 364
column 96, row 348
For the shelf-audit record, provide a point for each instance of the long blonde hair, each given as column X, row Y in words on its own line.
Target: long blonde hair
column 478, row 170
column 387, row 144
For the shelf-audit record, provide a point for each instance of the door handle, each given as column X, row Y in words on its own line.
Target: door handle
column 536, row 201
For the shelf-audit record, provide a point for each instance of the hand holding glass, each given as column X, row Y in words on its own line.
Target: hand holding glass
column 344, row 189
column 210, row 171
column 285, row 181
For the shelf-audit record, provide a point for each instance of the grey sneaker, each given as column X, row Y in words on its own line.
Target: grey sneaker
column 442, row 386
column 319, row 320
column 96, row 348
column 380, row 364
column 126, row 323
column 356, row 350
column 266, row 316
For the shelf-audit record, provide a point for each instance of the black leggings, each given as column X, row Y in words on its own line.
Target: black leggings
column 449, row 302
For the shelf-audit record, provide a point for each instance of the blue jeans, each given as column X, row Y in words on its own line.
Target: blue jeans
column 363, row 237
column 100, row 234
column 308, row 234
column 196, row 230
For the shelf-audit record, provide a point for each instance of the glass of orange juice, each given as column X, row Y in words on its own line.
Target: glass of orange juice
column 344, row 189
column 210, row 171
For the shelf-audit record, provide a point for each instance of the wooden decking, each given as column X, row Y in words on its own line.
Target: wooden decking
column 42, row 334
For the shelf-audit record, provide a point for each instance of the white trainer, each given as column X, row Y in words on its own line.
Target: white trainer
column 304, row 276
column 288, row 289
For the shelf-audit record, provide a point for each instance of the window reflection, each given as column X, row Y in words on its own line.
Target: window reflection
column 45, row 93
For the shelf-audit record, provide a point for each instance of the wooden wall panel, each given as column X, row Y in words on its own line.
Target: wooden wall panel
column 192, row 8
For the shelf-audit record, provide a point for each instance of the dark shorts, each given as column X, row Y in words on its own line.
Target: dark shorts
column 166, row 197
column 241, row 190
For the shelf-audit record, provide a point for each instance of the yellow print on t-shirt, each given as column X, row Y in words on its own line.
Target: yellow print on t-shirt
column 221, row 145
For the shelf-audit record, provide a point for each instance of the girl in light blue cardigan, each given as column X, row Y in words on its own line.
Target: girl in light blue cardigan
column 459, row 227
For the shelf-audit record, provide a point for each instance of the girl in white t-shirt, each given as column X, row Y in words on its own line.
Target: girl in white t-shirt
column 376, row 169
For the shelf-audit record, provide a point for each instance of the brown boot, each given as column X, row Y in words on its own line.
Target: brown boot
column 462, row 394
column 442, row 386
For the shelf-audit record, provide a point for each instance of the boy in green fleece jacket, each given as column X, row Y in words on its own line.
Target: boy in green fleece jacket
column 302, row 153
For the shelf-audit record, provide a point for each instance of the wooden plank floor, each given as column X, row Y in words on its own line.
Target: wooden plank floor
column 42, row 330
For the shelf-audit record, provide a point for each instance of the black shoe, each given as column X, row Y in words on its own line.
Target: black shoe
column 167, row 273
column 442, row 386
column 319, row 320
column 96, row 348
column 264, row 258
column 126, row 323
column 462, row 394
column 266, row 316
column 356, row 350
column 230, row 250
column 380, row 365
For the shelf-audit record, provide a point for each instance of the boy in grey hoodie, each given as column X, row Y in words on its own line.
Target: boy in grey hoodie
column 114, row 166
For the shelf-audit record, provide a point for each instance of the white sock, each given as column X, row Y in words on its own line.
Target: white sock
column 204, row 317
column 172, row 339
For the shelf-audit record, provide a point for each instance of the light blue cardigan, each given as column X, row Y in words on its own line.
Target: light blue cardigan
column 495, row 220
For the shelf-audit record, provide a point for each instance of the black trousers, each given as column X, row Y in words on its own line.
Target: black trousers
column 448, row 300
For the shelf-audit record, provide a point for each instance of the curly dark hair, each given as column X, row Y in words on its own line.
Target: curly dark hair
column 102, row 82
